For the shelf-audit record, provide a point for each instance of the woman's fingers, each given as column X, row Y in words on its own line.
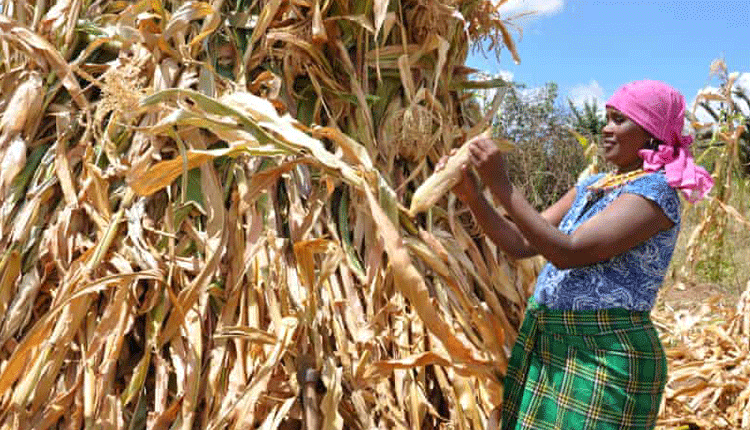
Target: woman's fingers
column 477, row 157
column 483, row 151
column 467, row 188
column 487, row 158
column 444, row 159
column 441, row 163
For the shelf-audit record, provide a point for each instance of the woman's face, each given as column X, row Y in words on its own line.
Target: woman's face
column 621, row 140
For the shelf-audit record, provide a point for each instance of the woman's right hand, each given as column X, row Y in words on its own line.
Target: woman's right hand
column 467, row 188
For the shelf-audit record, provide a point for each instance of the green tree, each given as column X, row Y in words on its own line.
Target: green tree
column 588, row 120
column 549, row 157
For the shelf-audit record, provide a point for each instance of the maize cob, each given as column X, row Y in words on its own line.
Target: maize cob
column 443, row 180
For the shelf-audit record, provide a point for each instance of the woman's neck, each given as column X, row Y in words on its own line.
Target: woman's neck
column 630, row 168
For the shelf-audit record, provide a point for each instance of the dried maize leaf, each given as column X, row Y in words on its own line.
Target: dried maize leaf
column 10, row 266
column 244, row 409
column 19, row 312
column 164, row 173
column 412, row 285
column 332, row 378
column 380, row 369
column 215, row 246
column 181, row 18
column 37, row 47
column 23, row 108
column 56, row 409
column 509, row 43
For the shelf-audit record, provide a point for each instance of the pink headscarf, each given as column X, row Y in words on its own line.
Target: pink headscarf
column 660, row 110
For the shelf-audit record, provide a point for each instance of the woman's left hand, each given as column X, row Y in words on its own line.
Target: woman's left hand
column 488, row 160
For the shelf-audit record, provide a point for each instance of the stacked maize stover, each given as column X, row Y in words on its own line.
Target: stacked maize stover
column 708, row 348
column 202, row 217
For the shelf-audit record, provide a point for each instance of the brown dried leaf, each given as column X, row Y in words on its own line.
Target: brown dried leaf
column 380, row 369
column 38, row 48
column 509, row 43
column 19, row 312
column 164, row 173
column 23, row 108
column 412, row 285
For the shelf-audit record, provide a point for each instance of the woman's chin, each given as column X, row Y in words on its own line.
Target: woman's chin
column 608, row 155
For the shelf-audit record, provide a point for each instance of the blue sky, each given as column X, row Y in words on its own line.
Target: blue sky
column 590, row 48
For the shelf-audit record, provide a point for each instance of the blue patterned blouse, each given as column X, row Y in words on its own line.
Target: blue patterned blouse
column 629, row 280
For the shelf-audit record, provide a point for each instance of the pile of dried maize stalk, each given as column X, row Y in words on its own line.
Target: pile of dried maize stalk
column 203, row 220
column 709, row 365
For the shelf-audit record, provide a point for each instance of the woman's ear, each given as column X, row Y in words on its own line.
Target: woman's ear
column 653, row 144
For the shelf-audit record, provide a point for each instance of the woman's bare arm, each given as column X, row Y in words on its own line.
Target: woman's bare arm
column 628, row 221
column 501, row 229
column 555, row 213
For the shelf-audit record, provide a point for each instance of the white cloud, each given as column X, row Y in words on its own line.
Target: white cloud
column 701, row 114
column 742, row 82
column 591, row 92
column 506, row 75
column 539, row 7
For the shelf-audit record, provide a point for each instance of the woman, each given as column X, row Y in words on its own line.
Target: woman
column 588, row 356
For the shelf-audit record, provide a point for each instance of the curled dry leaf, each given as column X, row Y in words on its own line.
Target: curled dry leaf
column 23, row 108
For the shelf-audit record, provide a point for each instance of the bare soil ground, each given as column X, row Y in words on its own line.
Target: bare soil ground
column 690, row 296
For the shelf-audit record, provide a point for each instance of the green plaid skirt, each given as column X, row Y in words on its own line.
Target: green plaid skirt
column 601, row 370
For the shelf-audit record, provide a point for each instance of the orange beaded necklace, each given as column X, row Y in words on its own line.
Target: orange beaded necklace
column 611, row 181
